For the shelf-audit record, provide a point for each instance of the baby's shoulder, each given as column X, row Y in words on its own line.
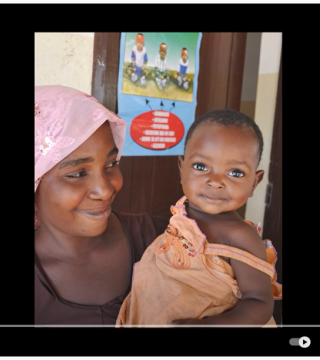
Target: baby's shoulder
column 244, row 235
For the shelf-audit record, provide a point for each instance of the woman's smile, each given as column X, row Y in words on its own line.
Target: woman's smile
column 96, row 214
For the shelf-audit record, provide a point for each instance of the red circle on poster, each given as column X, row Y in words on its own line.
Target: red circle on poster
column 157, row 129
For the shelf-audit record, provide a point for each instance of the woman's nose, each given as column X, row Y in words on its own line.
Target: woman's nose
column 101, row 188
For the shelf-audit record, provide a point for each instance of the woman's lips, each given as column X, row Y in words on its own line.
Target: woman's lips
column 96, row 214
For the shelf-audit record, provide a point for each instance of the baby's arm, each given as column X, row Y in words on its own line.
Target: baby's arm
column 256, row 304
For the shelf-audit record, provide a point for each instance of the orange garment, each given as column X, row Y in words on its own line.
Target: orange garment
column 181, row 275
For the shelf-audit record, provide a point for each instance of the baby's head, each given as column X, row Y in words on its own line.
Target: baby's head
column 184, row 54
column 219, row 168
column 227, row 118
column 139, row 41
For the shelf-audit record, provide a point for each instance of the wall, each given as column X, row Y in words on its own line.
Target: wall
column 267, row 86
column 67, row 59
column 64, row 59
column 250, row 74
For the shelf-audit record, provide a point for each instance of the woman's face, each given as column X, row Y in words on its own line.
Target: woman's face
column 75, row 196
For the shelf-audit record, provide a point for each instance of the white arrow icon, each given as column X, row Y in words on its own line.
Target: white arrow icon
column 304, row 342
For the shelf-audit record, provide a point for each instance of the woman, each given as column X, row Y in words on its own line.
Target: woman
column 84, row 251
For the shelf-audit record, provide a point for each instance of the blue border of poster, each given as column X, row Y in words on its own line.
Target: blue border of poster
column 143, row 88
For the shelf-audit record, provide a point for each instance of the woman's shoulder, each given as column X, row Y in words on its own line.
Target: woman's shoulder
column 142, row 229
column 144, row 222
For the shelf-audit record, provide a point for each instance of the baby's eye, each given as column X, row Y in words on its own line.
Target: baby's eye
column 199, row 166
column 236, row 173
column 76, row 175
column 113, row 164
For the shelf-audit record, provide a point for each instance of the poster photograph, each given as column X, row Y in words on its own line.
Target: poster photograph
column 157, row 87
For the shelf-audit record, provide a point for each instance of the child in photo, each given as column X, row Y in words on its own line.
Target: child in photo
column 159, row 73
column 139, row 59
column 182, row 72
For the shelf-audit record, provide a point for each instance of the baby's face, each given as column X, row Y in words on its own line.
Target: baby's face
column 218, row 171
column 139, row 44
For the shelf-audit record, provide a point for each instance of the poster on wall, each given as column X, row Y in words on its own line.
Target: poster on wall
column 157, row 90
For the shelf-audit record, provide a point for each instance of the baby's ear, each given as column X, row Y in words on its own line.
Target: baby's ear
column 258, row 178
column 180, row 165
column 180, row 162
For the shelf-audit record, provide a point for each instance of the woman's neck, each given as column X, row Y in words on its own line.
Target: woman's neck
column 54, row 242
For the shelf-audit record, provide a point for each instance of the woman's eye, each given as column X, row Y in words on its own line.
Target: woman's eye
column 77, row 175
column 113, row 164
column 236, row 173
column 199, row 166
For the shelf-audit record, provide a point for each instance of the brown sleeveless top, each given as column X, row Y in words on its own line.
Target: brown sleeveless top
column 50, row 309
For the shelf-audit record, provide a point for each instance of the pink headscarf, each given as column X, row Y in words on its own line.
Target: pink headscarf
column 64, row 118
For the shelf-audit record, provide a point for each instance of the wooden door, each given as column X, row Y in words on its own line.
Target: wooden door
column 152, row 183
column 272, row 223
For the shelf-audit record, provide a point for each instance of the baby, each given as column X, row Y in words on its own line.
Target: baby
column 210, row 267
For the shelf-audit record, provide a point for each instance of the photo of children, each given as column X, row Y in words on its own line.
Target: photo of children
column 149, row 62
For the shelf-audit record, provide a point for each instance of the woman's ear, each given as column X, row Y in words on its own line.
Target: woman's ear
column 258, row 178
